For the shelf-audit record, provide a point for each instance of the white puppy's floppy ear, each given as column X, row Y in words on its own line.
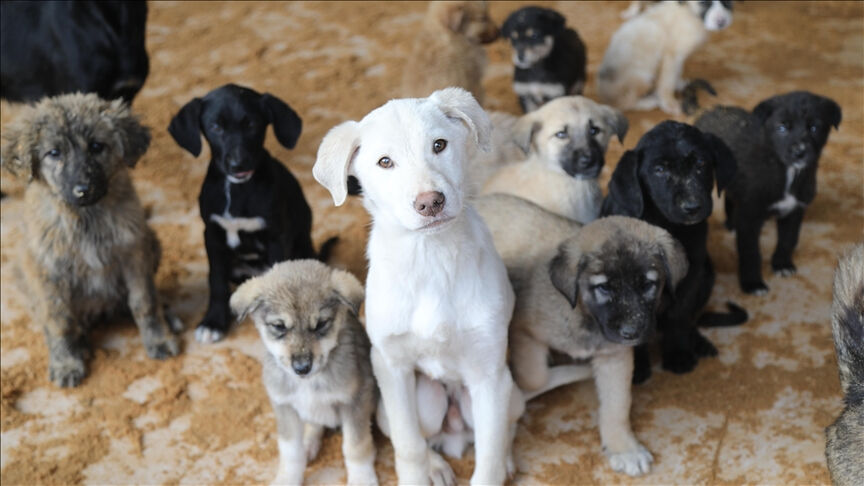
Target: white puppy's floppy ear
column 460, row 104
column 335, row 154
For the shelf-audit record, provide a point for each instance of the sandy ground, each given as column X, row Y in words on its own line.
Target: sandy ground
column 755, row 414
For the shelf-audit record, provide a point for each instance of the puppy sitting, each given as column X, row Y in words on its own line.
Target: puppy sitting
column 565, row 142
column 253, row 209
column 90, row 251
column 549, row 57
column 778, row 148
column 591, row 294
column 667, row 181
column 316, row 371
column 846, row 435
column 642, row 67
column 448, row 49
column 438, row 301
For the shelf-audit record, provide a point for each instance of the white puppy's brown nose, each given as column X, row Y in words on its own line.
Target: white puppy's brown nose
column 429, row 203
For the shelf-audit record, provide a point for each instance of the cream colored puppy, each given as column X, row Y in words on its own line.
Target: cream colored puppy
column 564, row 145
column 589, row 293
column 642, row 67
column 438, row 300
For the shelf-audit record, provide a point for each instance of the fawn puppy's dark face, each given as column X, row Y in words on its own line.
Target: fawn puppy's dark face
column 797, row 126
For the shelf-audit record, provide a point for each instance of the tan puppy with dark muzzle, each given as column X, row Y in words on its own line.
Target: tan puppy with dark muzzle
column 591, row 294
column 565, row 143
column 845, row 444
column 88, row 252
column 317, row 370
column 448, row 49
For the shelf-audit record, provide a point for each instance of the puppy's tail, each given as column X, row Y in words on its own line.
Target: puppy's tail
column 327, row 249
column 847, row 323
column 690, row 95
column 735, row 317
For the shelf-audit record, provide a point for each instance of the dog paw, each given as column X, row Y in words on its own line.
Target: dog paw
column 672, row 107
column 293, row 478
column 440, row 472
column 679, row 361
column 511, row 467
column 67, row 372
column 312, row 441
column 754, row 288
column 633, row 463
column 784, row 270
column 174, row 323
column 162, row 348
column 207, row 335
column 702, row 346
column 361, row 473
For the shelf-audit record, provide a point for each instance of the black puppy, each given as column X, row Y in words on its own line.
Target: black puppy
column 667, row 180
column 777, row 148
column 549, row 57
column 254, row 211
column 50, row 48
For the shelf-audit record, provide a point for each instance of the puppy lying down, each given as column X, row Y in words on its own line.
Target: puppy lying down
column 316, row 370
column 591, row 294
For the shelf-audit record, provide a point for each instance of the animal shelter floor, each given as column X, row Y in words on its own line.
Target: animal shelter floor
column 754, row 414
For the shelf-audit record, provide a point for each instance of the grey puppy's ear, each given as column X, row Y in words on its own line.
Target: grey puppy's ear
column 18, row 154
column 248, row 297
column 617, row 121
column 459, row 104
column 625, row 191
column 348, row 288
column 335, row 154
column 133, row 137
column 564, row 273
column 524, row 130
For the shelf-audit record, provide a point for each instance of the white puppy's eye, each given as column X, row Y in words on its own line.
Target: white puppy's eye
column 439, row 145
column 561, row 134
column 385, row 163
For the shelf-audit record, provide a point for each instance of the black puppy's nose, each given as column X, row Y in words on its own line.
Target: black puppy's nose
column 799, row 150
column 520, row 54
column 429, row 203
column 302, row 365
column 234, row 165
column 690, row 207
column 629, row 331
column 81, row 190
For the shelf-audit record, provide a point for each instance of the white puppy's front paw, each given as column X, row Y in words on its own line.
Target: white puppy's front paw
column 208, row 335
column 288, row 476
column 440, row 472
column 362, row 473
column 635, row 462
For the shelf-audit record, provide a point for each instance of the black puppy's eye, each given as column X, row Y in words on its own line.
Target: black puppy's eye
column 96, row 147
column 561, row 134
column 278, row 327
column 385, row 163
column 53, row 153
column 814, row 128
column 439, row 145
column 659, row 170
column 782, row 128
column 593, row 129
column 322, row 326
column 216, row 128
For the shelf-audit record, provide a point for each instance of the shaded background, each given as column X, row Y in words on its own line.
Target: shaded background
column 755, row 414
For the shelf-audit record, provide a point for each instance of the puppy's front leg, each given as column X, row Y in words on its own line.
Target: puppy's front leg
column 490, row 396
column 292, row 454
column 64, row 335
column 612, row 375
column 670, row 73
column 215, row 323
column 749, row 259
column 357, row 445
column 158, row 340
column 788, row 229
column 398, row 393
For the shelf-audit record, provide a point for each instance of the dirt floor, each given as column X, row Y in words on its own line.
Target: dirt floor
column 755, row 414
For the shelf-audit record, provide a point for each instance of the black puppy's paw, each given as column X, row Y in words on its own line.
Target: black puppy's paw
column 784, row 269
column 754, row 288
column 208, row 333
column 641, row 374
column 702, row 346
column 679, row 361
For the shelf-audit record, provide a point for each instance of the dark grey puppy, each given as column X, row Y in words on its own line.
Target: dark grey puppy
column 88, row 251
column 846, row 436
column 777, row 147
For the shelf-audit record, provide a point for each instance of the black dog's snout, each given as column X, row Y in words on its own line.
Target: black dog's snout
column 429, row 203
column 691, row 207
column 81, row 190
column 234, row 165
column 799, row 150
column 629, row 331
column 302, row 365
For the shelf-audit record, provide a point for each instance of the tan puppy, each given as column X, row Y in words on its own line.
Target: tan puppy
column 591, row 295
column 642, row 67
column 565, row 142
column 448, row 49
column 317, row 370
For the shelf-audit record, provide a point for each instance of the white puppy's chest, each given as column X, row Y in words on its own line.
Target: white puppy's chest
column 789, row 202
column 234, row 225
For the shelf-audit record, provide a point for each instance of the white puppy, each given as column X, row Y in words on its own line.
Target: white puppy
column 438, row 300
column 641, row 69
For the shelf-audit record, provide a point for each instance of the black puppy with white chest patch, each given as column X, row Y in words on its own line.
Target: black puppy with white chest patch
column 549, row 57
column 778, row 147
column 667, row 181
column 253, row 208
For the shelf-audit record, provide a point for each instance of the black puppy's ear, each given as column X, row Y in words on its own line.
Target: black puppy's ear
column 565, row 275
column 286, row 124
column 764, row 109
column 556, row 21
column 625, row 191
column 725, row 164
column 185, row 127
column 831, row 112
